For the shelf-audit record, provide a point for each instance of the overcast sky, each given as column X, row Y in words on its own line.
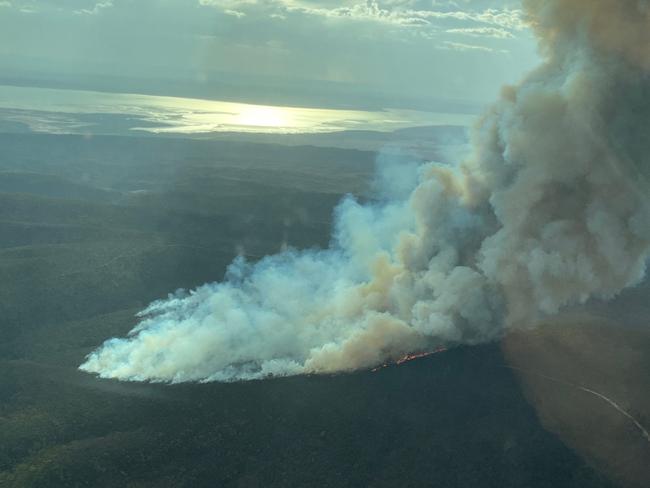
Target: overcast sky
column 439, row 49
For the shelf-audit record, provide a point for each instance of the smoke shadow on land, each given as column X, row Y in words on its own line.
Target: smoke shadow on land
column 587, row 373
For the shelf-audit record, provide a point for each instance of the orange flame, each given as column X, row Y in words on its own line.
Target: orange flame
column 410, row 357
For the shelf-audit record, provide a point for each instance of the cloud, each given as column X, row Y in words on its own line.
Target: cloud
column 68, row 7
column 234, row 13
column 459, row 46
column 387, row 13
column 96, row 9
column 482, row 32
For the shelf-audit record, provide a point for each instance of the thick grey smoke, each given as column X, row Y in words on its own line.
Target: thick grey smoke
column 550, row 209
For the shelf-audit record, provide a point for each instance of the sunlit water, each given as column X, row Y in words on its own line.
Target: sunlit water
column 76, row 111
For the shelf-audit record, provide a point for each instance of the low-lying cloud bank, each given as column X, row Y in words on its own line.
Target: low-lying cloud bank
column 550, row 209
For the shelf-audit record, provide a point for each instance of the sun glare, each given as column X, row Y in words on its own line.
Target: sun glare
column 263, row 117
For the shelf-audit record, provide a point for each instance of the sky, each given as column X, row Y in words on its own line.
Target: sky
column 319, row 52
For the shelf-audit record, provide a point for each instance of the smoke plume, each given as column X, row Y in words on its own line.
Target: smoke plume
column 549, row 210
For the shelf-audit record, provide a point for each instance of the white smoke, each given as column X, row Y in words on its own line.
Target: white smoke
column 550, row 209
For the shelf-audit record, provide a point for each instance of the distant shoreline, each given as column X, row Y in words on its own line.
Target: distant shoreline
column 56, row 111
